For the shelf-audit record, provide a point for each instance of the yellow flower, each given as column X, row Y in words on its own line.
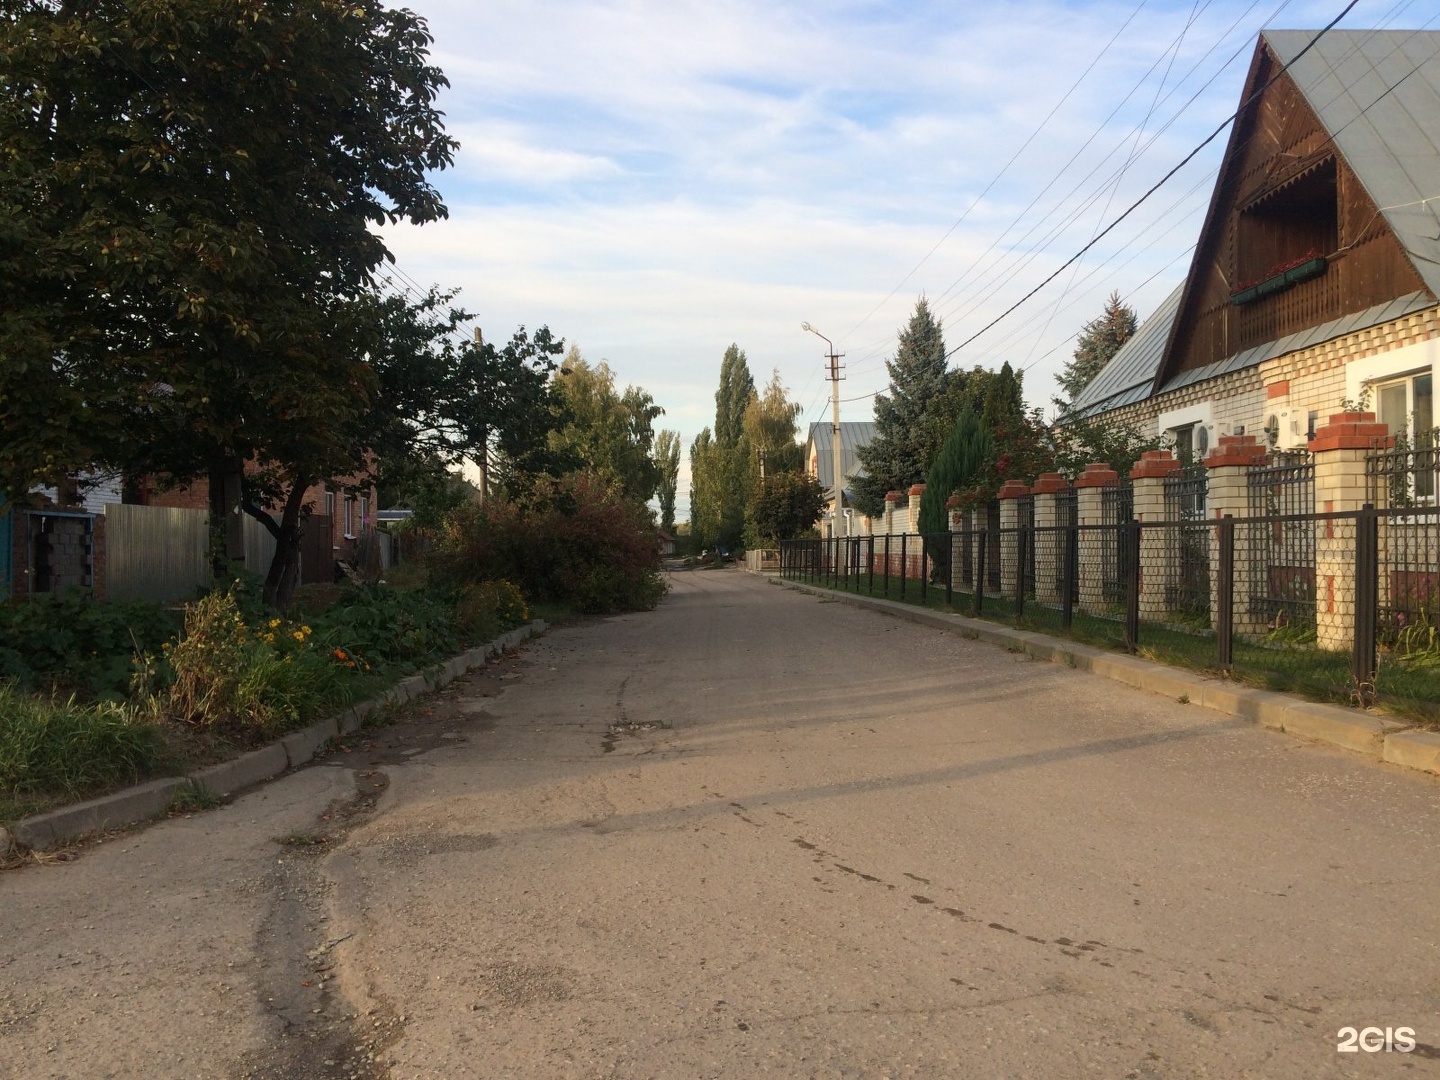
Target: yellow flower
column 298, row 636
column 274, row 623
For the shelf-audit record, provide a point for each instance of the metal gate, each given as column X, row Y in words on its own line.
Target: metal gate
column 1282, row 550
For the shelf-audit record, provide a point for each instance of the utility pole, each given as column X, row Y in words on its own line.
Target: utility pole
column 484, row 460
column 834, row 360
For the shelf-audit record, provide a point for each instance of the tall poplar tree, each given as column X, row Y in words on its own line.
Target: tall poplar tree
column 667, row 458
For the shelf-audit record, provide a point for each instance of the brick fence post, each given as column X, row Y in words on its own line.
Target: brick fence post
column 1157, row 569
column 1049, row 543
column 1090, row 486
column 1340, row 449
column 1010, row 494
column 1227, row 492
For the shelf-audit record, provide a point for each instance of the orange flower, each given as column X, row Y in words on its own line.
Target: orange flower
column 340, row 654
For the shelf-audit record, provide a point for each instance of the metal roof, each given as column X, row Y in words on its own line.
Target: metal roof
column 1127, row 378
column 1314, row 335
column 1378, row 94
column 853, row 435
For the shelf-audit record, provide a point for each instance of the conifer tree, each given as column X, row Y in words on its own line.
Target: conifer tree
column 898, row 454
column 961, row 462
column 1100, row 339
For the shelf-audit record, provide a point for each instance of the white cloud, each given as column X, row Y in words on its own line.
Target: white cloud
column 657, row 179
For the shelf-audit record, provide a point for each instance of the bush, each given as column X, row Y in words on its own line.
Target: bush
column 50, row 746
column 577, row 541
column 229, row 676
column 79, row 645
column 486, row 609
column 389, row 628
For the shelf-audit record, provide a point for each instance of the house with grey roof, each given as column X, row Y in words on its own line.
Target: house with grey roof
column 1316, row 275
column 820, row 463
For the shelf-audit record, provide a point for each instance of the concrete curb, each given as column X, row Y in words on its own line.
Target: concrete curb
column 290, row 752
column 1390, row 740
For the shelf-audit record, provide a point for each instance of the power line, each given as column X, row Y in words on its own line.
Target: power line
column 1158, row 184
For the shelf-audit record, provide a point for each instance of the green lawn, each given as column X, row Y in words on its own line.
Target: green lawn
column 1408, row 690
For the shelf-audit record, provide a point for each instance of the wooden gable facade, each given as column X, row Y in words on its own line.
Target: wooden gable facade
column 1291, row 240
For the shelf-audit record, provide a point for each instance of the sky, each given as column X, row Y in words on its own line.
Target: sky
column 656, row 180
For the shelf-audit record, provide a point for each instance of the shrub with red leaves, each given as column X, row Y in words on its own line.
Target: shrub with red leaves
column 577, row 540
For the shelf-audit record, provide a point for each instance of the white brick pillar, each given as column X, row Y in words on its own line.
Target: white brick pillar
column 1010, row 494
column 912, row 520
column 956, row 517
column 1089, row 497
column 1049, row 543
column 979, row 526
column 1340, row 449
column 891, row 500
column 1227, row 492
column 1157, row 568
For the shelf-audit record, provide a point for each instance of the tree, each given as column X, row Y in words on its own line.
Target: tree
column 771, row 427
column 612, row 433
column 1100, row 339
column 667, row 457
column 737, row 387
column 720, row 462
column 444, row 395
column 188, row 196
column 897, row 455
column 788, row 505
column 960, row 464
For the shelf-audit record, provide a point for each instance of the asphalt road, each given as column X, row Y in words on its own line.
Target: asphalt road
column 755, row 834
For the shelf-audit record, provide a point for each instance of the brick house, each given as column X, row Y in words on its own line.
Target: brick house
column 1315, row 280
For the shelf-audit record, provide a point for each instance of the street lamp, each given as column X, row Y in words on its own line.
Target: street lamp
column 841, row 521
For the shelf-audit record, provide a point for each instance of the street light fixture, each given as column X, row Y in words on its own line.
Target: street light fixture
column 841, row 520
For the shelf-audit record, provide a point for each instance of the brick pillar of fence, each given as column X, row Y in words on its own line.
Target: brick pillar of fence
column 1010, row 494
column 956, row 517
column 1049, row 545
column 892, row 503
column 978, row 522
column 1340, row 449
column 1157, row 569
column 912, row 519
column 1089, row 499
column 1227, row 492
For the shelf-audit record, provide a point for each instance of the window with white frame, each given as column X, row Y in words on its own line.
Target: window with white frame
column 1406, row 405
column 330, row 506
column 364, row 510
column 349, row 515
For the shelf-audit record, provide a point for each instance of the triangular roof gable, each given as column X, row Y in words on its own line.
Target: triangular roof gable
column 1281, row 141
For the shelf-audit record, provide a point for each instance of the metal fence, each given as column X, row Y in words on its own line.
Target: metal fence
column 155, row 553
column 1375, row 578
column 1188, row 543
column 1280, row 544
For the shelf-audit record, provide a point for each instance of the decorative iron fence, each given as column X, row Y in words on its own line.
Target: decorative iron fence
column 1376, row 575
column 1402, row 477
column 1280, row 543
column 1189, row 590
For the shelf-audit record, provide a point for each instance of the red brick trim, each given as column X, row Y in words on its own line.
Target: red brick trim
column 1242, row 450
column 1049, row 483
column 1155, row 464
column 1097, row 475
column 1352, row 431
column 1013, row 489
column 1277, row 390
column 917, row 489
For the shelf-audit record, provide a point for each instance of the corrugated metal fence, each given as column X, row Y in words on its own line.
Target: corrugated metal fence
column 155, row 553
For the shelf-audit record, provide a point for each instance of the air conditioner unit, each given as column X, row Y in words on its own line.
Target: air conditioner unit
column 1288, row 429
